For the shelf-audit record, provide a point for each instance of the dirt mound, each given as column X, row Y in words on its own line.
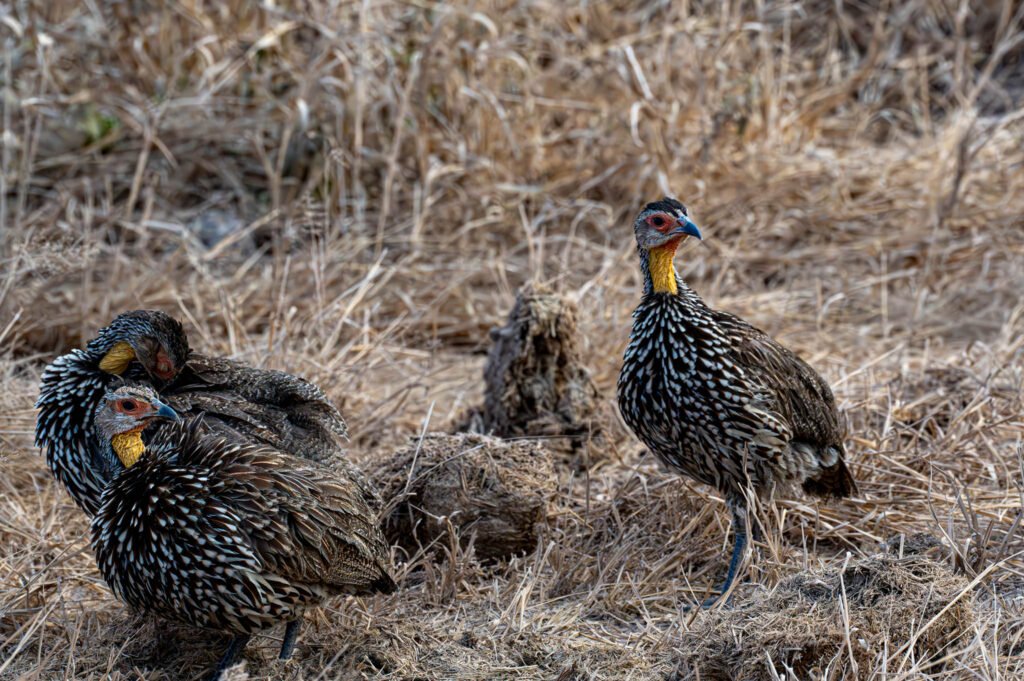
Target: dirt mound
column 845, row 619
column 536, row 383
column 493, row 494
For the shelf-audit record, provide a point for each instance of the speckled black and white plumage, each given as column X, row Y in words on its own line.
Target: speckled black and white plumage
column 71, row 389
column 264, row 405
column 272, row 407
column 267, row 407
column 234, row 536
column 720, row 401
column 238, row 401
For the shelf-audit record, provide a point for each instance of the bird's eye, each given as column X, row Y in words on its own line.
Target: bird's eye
column 129, row 405
column 164, row 366
column 658, row 221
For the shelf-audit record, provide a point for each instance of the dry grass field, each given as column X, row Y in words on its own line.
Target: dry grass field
column 354, row 191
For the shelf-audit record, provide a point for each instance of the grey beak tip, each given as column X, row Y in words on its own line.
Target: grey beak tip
column 693, row 230
column 687, row 228
column 166, row 412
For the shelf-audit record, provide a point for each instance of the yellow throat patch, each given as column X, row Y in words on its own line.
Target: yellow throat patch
column 663, row 274
column 117, row 358
column 129, row 447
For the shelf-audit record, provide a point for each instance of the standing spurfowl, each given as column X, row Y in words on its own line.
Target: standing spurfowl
column 716, row 398
column 230, row 536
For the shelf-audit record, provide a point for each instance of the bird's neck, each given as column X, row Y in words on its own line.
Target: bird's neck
column 658, row 265
column 129, row 447
column 116, row 359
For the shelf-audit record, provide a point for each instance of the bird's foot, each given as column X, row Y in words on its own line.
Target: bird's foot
column 710, row 601
column 231, row 655
column 738, row 548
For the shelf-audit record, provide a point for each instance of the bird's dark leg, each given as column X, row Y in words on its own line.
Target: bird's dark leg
column 739, row 546
column 288, row 645
column 236, row 646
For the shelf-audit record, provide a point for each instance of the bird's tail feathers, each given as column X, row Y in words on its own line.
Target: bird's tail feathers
column 833, row 479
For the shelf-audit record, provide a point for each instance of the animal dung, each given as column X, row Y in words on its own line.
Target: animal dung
column 842, row 618
column 536, row 384
column 494, row 494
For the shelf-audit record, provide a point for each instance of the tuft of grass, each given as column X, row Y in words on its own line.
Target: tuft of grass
column 354, row 192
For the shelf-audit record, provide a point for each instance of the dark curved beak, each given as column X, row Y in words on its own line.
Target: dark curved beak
column 165, row 412
column 686, row 228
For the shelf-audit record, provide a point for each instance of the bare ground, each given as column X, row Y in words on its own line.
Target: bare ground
column 354, row 192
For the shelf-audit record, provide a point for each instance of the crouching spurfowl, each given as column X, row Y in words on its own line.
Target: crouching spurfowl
column 74, row 385
column 239, row 402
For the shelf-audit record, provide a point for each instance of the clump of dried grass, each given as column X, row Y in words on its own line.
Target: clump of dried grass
column 536, row 383
column 476, row 490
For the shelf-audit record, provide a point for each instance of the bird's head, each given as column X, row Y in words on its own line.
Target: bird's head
column 148, row 339
column 122, row 415
column 663, row 223
column 660, row 227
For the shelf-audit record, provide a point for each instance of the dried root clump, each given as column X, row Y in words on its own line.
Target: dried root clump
column 803, row 625
column 536, row 384
column 495, row 495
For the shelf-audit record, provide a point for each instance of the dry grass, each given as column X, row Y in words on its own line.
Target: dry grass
column 493, row 495
column 849, row 617
column 393, row 171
